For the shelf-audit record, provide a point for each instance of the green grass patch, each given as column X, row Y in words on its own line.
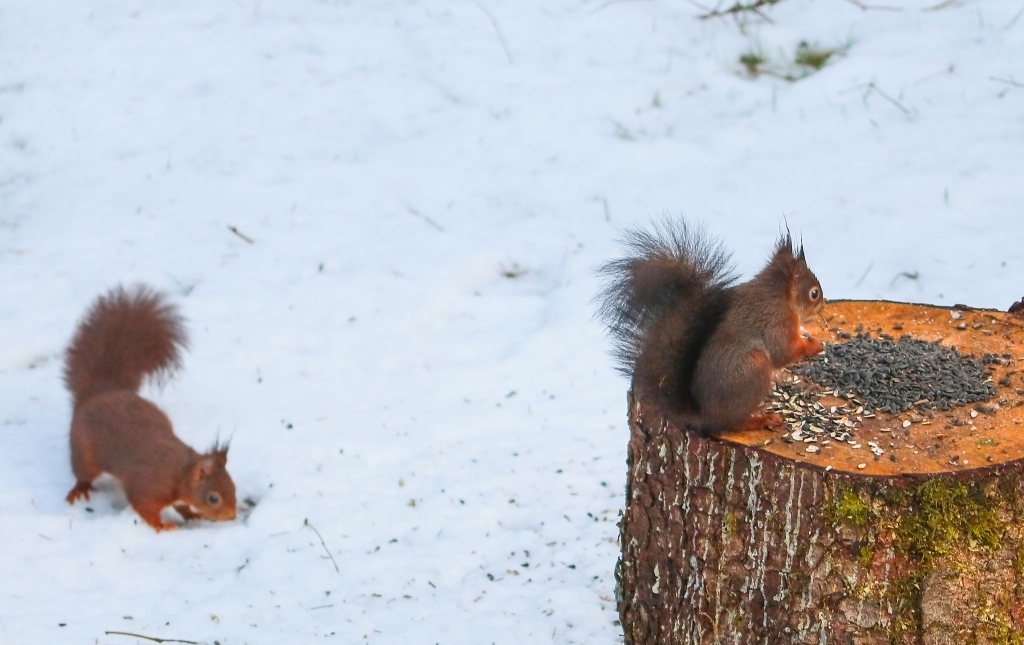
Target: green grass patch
column 807, row 60
column 813, row 57
column 753, row 62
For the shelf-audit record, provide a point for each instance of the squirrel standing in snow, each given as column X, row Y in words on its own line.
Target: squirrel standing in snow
column 126, row 336
column 704, row 348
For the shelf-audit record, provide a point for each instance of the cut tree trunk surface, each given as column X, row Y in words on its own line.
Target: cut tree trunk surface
column 935, row 441
column 750, row 538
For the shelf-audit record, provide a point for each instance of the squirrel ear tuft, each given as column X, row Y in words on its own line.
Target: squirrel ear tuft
column 219, row 450
column 785, row 243
column 784, row 247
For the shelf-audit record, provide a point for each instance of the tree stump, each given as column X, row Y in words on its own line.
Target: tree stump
column 745, row 538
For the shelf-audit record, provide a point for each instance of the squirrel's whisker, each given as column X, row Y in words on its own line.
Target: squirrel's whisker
column 828, row 328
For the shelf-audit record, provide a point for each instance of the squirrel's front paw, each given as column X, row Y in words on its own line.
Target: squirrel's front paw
column 809, row 347
column 186, row 512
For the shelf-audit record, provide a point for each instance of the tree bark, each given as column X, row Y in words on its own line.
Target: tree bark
column 744, row 539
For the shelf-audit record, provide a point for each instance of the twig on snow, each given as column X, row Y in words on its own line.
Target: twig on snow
column 424, row 218
column 152, row 638
column 241, row 235
column 737, row 8
column 948, row 70
column 702, row 7
column 608, row 3
column 501, row 36
column 1008, row 81
column 328, row 551
column 871, row 87
column 909, row 275
column 941, row 5
column 873, row 7
column 866, row 272
column 1014, row 20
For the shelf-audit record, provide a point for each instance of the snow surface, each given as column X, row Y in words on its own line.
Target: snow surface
column 405, row 356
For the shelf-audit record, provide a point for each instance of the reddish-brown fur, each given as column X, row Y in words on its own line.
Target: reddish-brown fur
column 707, row 350
column 759, row 333
column 126, row 336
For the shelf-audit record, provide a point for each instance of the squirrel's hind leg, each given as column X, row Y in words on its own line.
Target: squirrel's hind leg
column 83, row 465
column 729, row 386
column 763, row 422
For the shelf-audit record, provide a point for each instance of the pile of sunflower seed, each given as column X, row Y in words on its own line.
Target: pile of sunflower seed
column 888, row 376
column 811, row 422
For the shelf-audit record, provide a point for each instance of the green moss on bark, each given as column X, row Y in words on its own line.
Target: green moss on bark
column 945, row 513
column 928, row 520
column 846, row 507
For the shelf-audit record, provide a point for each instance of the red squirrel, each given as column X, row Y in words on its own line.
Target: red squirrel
column 702, row 346
column 128, row 335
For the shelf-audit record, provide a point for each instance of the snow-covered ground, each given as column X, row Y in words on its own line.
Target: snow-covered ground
column 405, row 355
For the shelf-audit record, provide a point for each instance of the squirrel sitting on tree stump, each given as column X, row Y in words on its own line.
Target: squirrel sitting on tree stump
column 872, row 493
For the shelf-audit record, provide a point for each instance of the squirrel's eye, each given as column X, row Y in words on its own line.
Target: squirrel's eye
column 814, row 293
column 213, row 499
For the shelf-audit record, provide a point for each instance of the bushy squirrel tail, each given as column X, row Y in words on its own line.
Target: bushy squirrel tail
column 662, row 302
column 126, row 336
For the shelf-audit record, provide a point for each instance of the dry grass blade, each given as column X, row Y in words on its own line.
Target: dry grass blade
column 871, row 87
column 873, row 7
column 1008, row 81
column 152, row 638
column 326, row 550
